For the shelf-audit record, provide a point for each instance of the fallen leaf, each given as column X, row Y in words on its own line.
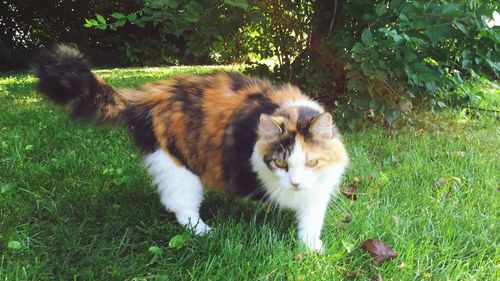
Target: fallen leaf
column 379, row 251
column 402, row 265
column 7, row 187
column 155, row 250
column 298, row 257
column 14, row 245
column 179, row 240
column 357, row 180
column 350, row 191
column 378, row 277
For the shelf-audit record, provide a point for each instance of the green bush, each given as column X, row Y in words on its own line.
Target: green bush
column 367, row 58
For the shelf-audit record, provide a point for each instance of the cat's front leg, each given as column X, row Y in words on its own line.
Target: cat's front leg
column 310, row 223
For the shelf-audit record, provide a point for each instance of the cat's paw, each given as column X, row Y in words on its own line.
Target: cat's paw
column 201, row 228
column 313, row 243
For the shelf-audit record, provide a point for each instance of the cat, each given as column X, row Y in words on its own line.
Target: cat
column 221, row 131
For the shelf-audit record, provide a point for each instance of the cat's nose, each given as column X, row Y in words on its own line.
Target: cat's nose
column 295, row 184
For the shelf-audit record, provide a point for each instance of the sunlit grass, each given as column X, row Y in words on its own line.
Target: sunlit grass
column 78, row 203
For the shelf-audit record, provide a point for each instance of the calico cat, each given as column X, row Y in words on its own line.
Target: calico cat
column 222, row 131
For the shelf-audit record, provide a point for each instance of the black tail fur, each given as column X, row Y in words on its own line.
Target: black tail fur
column 64, row 74
column 66, row 79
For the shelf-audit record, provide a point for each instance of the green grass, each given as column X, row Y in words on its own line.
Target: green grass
column 78, row 202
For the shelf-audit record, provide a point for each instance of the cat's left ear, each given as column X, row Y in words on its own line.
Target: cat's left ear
column 322, row 126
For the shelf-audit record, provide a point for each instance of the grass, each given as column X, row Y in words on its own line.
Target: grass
column 75, row 203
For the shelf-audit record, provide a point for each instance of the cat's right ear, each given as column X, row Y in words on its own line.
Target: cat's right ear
column 269, row 130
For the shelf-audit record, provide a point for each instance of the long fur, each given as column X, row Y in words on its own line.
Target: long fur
column 220, row 131
column 66, row 79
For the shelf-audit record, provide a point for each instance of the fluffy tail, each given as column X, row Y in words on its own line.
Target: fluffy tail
column 65, row 78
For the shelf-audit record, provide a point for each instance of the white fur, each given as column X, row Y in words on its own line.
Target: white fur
column 181, row 191
column 304, row 103
column 310, row 200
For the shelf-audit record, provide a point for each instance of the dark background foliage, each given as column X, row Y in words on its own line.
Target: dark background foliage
column 367, row 58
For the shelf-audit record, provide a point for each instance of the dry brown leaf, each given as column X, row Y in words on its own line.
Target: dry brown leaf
column 350, row 191
column 298, row 257
column 379, row 251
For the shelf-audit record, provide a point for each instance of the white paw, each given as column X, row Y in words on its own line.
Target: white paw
column 313, row 243
column 201, row 228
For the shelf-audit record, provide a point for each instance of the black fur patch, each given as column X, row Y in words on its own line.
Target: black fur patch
column 64, row 74
column 175, row 152
column 190, row 97
column 306, row 118
column 286, row 142
column 239, row 140
column 238, row 81
column 281, row 149
column 140, row 124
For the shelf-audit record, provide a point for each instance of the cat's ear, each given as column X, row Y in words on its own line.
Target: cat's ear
column 322, row 126
column 269, row 129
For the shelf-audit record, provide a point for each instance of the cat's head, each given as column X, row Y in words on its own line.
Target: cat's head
column 299, row 147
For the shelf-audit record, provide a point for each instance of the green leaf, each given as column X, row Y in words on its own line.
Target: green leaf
column 381, row 9
column 172, row 3
column 420, row 67
column 155, row 250
column 409, row 56
column 428, row 77
column 367, row 37
column 118, row 16
column 461, row 27
column 237, row 3
column 450, row 9
column 90, row 23
column 14, row 245
column 120, row 22
column 132, row 17
column 403, row 17
column 192, row 12
column 465, row 63
column 100, row 19
column 8, row 187
column 437, row 33
column 101, row 26
column 178, row 241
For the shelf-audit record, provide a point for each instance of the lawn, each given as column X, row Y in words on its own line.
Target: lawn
column 76, row 203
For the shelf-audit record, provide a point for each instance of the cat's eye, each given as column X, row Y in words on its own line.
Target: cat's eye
column 280, row 163
column 312, row 162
